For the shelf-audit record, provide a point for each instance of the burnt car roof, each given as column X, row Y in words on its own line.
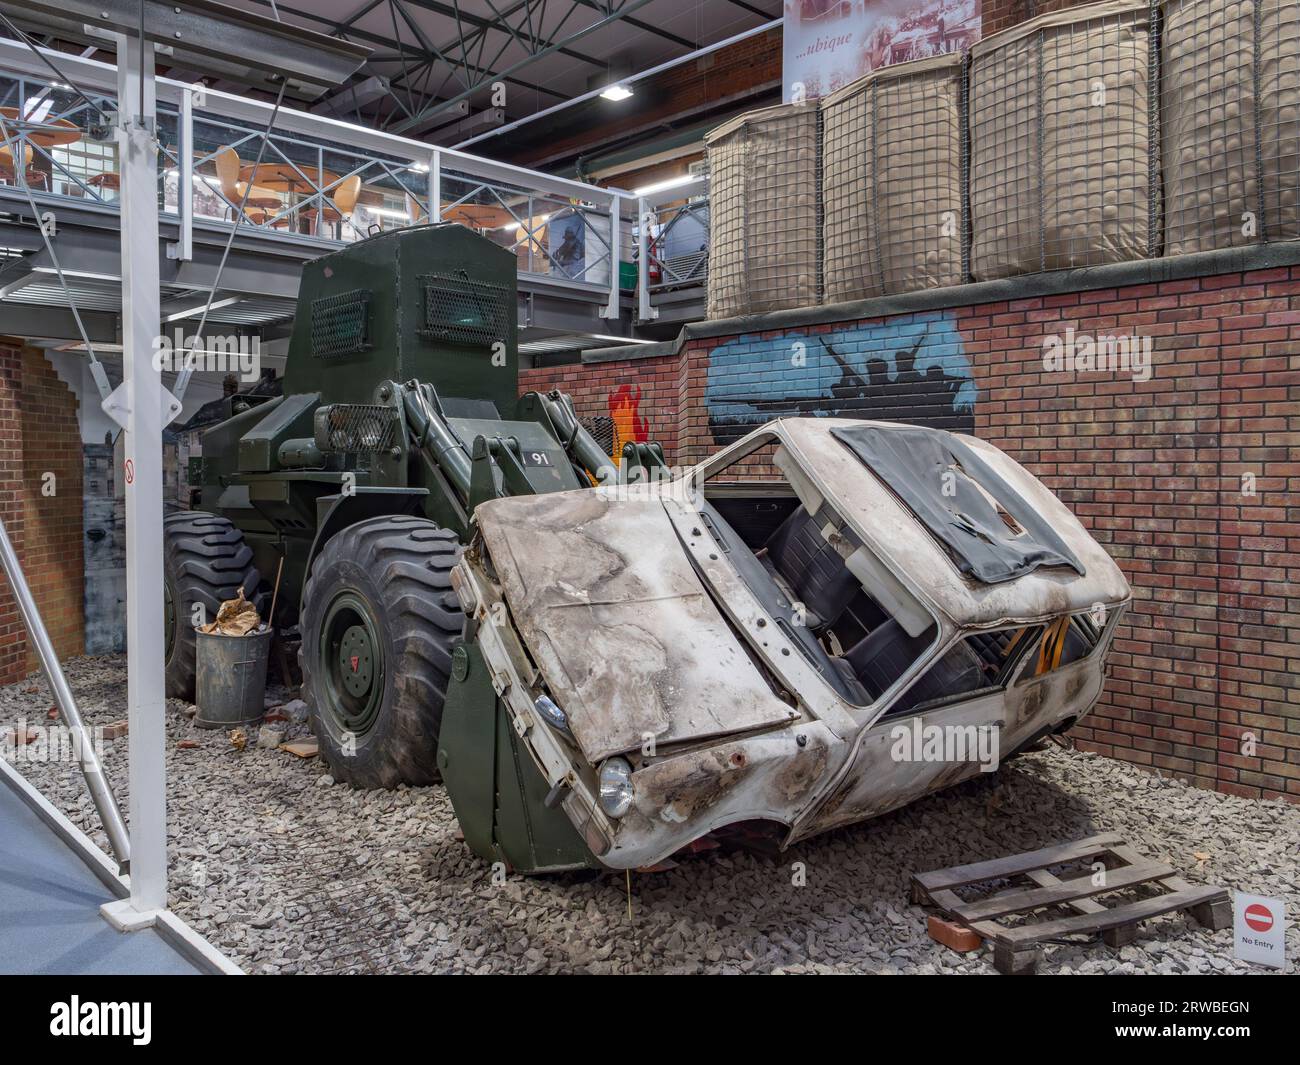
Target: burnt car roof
column 988, row 528
column 896, row 534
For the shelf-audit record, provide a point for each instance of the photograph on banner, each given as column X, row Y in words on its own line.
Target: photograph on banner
column 830, row 43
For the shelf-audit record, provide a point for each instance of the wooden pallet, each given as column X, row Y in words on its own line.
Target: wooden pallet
column 1018, row 949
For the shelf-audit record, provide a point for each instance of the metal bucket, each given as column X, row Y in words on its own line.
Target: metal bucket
column 230, row 687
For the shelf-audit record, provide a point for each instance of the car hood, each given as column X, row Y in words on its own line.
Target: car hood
column 631, row 645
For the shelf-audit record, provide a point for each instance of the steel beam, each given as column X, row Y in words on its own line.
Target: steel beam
column 750, row 8
column 487, row 119
column 638, row 76
column 242, row 45
column 500, row 24
column 621, row 13
column 423, row 56
column 38, row 321
column 18, row 279
column 183, row 249
column 146, row 702
column 646, row 27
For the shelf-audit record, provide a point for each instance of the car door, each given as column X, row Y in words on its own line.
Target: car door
column 915, row 748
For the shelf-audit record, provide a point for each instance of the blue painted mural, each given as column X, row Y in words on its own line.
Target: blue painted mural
column 912, row 368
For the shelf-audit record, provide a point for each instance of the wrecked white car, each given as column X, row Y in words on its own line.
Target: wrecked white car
column 825, row 621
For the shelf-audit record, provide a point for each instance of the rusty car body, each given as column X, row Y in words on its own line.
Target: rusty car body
column 752, row 640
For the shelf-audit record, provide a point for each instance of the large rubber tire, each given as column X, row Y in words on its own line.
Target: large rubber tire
column 380, row 621
column 205, row 561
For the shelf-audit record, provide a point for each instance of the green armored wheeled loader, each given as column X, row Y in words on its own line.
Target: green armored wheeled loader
column 400, row 413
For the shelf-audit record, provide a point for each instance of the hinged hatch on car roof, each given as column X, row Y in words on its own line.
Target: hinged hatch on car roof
column 989, row 530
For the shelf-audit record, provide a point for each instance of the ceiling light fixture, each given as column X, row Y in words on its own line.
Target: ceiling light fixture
column 616, row 93
column 621, row 340
column 88, row 275
column 198, row 309
column 663, row 186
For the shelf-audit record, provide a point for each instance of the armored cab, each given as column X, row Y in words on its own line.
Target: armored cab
column 400, row 413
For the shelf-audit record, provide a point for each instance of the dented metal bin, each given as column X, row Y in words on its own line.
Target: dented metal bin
column 230, row 682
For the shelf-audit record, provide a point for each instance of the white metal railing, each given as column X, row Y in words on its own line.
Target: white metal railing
column 673, row 240
column 319, row 179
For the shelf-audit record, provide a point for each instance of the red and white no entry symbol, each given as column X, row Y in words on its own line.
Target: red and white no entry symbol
column 130, row 472
column 1259, row 917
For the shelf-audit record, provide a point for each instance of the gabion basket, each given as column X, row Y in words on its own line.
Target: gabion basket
column 765, row 211
column 1063, row 170
column 1230, row 122
column 892, row 146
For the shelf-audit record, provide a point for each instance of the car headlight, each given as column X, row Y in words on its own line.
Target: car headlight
column 615, row 786
column 552, row 714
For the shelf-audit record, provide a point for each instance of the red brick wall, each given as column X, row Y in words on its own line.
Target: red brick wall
column 13, row 646
column 644, row 396
column 1209, row 651
column 39, row 436
column 52, row 540
column 1209, row 655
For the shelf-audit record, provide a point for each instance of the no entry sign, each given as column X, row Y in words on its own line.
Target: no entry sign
column 1258, row 930
column 1259, row 917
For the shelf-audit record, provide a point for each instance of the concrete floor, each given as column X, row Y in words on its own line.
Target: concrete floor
column 49, row 909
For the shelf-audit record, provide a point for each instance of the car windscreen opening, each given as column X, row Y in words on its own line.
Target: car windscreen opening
column 991, row 533
column 791, row 558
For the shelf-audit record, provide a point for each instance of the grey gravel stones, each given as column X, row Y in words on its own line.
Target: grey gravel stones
column 288, row 872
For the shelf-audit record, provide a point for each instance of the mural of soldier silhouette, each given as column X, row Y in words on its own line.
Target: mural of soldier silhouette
column 909, row 369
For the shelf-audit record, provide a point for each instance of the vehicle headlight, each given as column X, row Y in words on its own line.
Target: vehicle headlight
column 552, row 714
column 615, row 786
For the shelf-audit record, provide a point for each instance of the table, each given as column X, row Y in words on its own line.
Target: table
column 63, row 132
column 477, row 216
column 66, row 131
column 284, row 177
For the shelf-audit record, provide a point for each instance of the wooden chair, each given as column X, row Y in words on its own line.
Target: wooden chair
column 7, row 174
column 109, row 181
column 338, row 205
column 261, row 203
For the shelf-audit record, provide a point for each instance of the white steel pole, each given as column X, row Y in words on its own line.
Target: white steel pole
column 435, row 187
column 184, row 247
column 646, row 219
column 615, row 234
column 146, row 703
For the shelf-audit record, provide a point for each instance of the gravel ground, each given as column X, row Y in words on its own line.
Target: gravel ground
column 286, row 871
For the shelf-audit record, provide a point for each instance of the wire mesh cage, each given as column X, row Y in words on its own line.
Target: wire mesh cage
column 892, row 181
column 1230, row 103
column 765, row 203
column 465, row 311
column 340, row 324
column 1062, row 169
column 1277, row 103
column 355, row 427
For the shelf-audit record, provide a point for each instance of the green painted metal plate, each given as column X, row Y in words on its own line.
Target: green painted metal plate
column 494, row 787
